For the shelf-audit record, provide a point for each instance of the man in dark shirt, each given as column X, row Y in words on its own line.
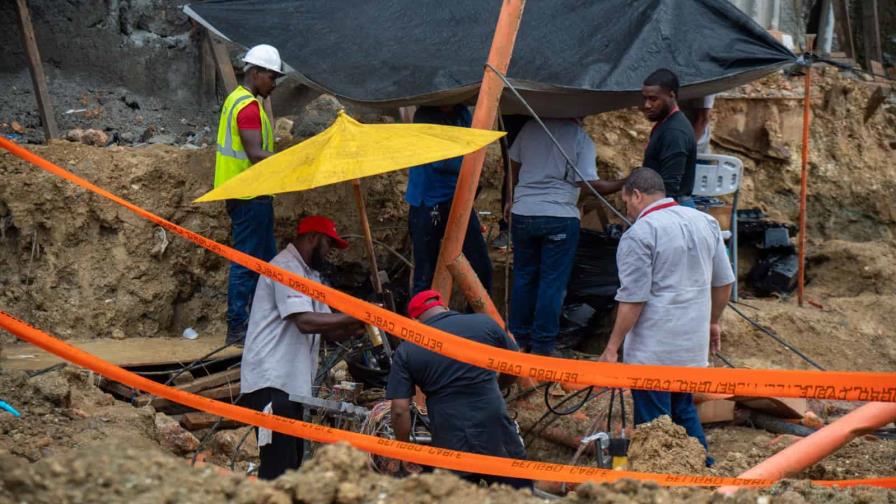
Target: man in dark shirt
column 672, row 149
column 465, row 406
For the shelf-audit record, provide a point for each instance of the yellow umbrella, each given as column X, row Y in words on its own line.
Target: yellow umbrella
column 350, row 150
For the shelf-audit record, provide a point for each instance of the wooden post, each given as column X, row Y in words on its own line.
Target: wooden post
column 38, row 78
column 368, row 236
column 222, row 61
column 804, row 183
column 844, row 28
column 207, row 94
column 871, row 32
column 483, row 118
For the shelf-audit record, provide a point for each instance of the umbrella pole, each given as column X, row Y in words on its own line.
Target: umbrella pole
column 483, row 118
column 368, row 237
column 804, row 183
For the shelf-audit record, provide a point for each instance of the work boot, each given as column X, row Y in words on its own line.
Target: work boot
column 236, row 335
column 502, row 241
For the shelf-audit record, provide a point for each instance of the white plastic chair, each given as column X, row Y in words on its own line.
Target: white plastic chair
column 718, row 175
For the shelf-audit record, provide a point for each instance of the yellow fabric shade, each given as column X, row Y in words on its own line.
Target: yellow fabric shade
column 349, row 150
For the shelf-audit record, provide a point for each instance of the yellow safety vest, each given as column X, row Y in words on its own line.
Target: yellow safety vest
column 231, row 159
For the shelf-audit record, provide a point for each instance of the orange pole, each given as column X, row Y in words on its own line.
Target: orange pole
column 821, row 443
column 804, row 183
column 472, row 288
column 483, row 118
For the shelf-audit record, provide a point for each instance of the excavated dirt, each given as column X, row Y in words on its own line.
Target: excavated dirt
column 663, row 446
column 79, row 266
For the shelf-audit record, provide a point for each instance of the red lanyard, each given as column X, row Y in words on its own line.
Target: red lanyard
column 658, row 207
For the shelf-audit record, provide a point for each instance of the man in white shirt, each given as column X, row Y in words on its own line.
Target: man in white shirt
column 699, row 113
column 545, row 225
column 282, row 342
column 675, row 281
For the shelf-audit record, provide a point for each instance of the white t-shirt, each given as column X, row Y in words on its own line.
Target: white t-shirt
column 547, row 187
column 276, row 354
column 690, row 107
column 669, row 260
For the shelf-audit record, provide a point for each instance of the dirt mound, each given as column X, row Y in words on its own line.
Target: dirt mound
column 663, row 446
column 842, row 268
column 60, row 411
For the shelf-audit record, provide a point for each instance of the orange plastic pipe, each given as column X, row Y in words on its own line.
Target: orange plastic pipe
column 483, row 118
column 472, row 288
column 804, row 183
column 821, row 443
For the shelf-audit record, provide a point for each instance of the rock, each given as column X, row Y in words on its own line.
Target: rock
column 118, row 334
column 55, row 388
column 74, row 135
column 131, row 102
column 225, row 442
column 164, row 138
column 283, row 133
column 172, row 436
column 127, row 137
column 95, row 137
column 17, row 127
column 317, row 116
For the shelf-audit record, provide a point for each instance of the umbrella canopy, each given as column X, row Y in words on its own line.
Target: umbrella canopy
column 350, row 150
column 571, row 58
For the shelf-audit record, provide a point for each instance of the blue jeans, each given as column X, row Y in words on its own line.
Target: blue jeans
column 427, row 227
column 252, row 232
column 543, row 252
column 650, row 405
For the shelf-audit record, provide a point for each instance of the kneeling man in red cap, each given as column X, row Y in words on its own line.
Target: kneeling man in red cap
column 464, row 402
column 282, row 342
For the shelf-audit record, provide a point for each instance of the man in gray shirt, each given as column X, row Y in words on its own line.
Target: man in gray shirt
column 675, row 280
column 545, row 225
column 282, row 342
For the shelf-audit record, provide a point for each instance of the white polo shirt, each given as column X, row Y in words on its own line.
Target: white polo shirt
column 276, row 354
column 669, row 260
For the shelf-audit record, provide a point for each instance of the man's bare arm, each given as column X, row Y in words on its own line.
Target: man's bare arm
column 604, row 187
column 401, row 419
column 332, row 326
column 720, row 297
column 627, row 315
column 251, row 140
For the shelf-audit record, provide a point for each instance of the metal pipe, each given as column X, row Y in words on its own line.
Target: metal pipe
column 471, row 168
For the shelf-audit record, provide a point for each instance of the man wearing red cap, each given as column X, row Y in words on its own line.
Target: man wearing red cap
column 465, row 405
column 282, row 342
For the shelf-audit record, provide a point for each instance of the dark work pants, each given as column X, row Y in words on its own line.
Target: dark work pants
column 543, row 252
column 283, row 452
column 427, row 227
column 680, row 407
column 252, row 232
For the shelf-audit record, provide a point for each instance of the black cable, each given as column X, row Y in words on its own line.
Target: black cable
column 570, row 411
column 844, row 66
column 54, row 367
column 610, row 411
column 777, row 338
column 211, row 431
column 196, row 363
column 236, row 450
column 547, row 413
column 724, row 359
column 622, row 408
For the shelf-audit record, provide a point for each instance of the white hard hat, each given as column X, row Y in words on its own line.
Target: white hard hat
column 264, row 56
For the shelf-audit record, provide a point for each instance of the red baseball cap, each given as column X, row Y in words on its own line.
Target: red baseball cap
column 424, row 301
column 322, row 225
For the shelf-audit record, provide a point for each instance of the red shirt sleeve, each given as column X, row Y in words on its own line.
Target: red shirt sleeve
column 249, row 118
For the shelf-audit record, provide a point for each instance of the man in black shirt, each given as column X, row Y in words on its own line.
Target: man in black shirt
column 464, row 403
column 671, row 150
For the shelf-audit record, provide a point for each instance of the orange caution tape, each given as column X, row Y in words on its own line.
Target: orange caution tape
column 419, row 454
column 841, row 385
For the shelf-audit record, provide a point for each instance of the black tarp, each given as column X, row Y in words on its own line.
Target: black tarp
column 572, row 57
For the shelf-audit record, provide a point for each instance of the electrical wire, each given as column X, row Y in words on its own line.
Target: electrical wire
column 777, row 338
column 571, row 410
column 844, row 66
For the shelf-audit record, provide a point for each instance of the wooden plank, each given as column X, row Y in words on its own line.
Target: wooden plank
column 128, row 352
column 843, row 25
column 871, row 32
column 222, row 62
column 211, row 381
column 226, row 393
column 196, row 420
column 207, row 93
column 781, row 407
column 36, row 67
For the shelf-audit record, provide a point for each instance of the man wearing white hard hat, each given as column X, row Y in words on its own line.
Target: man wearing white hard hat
column 245, row 137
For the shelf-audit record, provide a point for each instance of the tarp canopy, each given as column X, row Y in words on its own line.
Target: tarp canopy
column 350, row 150
column 572, row 57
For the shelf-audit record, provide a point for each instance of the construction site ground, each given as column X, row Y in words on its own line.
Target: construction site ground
column 88, row 271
